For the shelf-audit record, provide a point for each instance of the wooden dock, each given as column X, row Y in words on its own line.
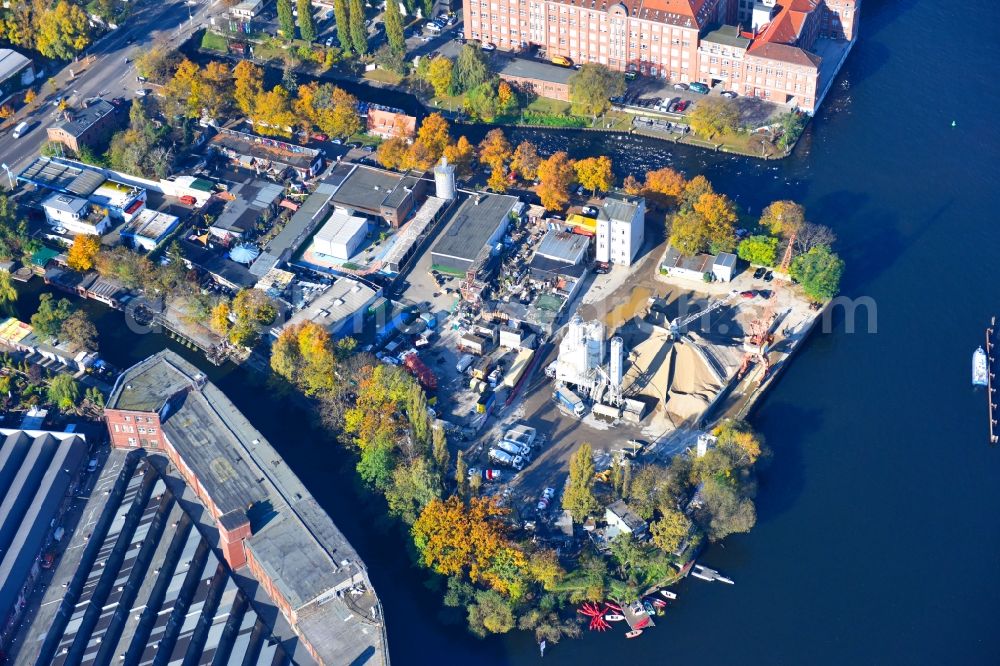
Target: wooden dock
column 990, row 375
column 637, row 617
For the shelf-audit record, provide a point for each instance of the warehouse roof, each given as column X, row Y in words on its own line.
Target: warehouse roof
column 365, row 188
column 340, row 227
column 36, row 469
column 63, row 176
column 336, row 305
column 11, row 62
column 293, row 540
column 563, row 246
column 473, row 224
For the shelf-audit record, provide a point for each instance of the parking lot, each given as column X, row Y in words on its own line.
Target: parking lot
column 658, row 96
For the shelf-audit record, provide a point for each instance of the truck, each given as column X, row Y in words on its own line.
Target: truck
column 20, row 130
column 464, row 363
column 512, row 448
column 504, row 458
column 419, row 370
column 569, row 400
column 562, row 61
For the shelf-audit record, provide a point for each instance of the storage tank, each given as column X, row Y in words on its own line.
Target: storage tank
column 617, row 361
column 444, row 180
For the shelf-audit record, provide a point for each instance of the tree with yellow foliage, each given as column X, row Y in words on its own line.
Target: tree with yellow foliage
column 217, row 88
column 248, row 86
column 461, row 154
column 495, row 152
column 439, row 75
column 594, row 173
column 719, row 215
column 304, row 355
column 183, row 92
column 783, row 218
column 219, row 319
column 62, row 30
column 30, row 95
column 273, row 111
column 6, row 111
column 83, row 253
column 555, row 174
column 432, row 139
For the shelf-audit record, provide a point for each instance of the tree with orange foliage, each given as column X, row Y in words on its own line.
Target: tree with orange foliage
column 392, row 153
column 719, row 216
column 526, row 160
column 455, row 539
column 594, row 173
column 83, row 253
column 632, row 185
column 664, row 186
column 428, row 147
column 556, row 175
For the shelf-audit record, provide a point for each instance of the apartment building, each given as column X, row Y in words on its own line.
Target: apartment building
column 772, row 49
column 621, row 229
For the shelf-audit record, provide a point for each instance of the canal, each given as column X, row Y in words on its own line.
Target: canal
column 875, row 541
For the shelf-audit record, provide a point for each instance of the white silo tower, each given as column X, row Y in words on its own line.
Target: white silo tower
column 617, row 361
column 444, row 180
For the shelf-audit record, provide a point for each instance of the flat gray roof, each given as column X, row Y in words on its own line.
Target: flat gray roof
column 534, row 69
column 473, row 224
column 365, row 188
column 62, row 176
column 726, row 35
column 619, row 206
column 563, row 246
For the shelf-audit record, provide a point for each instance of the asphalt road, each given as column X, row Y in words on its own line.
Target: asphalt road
column 107, row 75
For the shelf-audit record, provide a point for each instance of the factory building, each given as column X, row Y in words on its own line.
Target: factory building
column 341, row 235
column 478, row 224
column 581, row 354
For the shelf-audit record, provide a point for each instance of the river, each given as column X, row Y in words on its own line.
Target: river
column 874, row 541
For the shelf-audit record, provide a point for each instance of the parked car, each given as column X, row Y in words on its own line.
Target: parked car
column 698, row 87
column 768, row 276
column 589, row 211
column 759, row 273
column 748, row 294
column 489, row 46
column 630, row 76
column 680, row 86
column 682, row 105
column 731, row 94
column 433, row 27
column 48, row 560
column 549, row 493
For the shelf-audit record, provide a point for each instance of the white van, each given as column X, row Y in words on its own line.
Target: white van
column 21, row 129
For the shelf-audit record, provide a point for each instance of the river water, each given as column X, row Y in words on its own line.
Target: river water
column 875, row 542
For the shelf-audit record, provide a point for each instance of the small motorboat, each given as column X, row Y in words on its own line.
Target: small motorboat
column 614, row 617
column 658, row 603
column 633, row 633
column 668, row 594
column 649, row 608
column 980, row 368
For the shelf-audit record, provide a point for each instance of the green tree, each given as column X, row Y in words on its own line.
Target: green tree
column 626, row 551
column 724, row 511
column 591, row 88
column 63, row 391
column 393, row 21
column 481, row 103
column 471, row 69
column 359, row 36
column 579, row 497
column 818, row 271
column 286, row 20
column 8, row 294
column 439, row 451
column 48, row 319
column 490, row 614
column 758, row 250
column 461, row 475
column 413, row 486
column 342, row 16
column 714, row 115
column 307, row 25
column 78, row 329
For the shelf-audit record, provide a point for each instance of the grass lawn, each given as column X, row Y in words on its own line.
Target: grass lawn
column 384, row 76
column 214, row 42
column 736, row 142
column 365, row 140
column 449, row 102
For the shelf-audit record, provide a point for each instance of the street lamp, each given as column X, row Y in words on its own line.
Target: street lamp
column 10, row 176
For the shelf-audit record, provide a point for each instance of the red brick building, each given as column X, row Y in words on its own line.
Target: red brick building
column 773, row 49
column 269, row 525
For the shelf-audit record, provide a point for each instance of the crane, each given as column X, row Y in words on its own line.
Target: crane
column 678, row 324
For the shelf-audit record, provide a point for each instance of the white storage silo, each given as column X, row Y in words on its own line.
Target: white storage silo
column 444, row 180
column 617, row 361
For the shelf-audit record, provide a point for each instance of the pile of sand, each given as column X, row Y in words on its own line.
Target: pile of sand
column 675, row 374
